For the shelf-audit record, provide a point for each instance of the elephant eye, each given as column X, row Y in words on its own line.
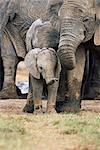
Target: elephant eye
column 41, row 68
column 85, row 19
column 80, row 10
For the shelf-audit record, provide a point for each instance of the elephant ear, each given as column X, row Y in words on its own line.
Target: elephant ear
column 31, row 62
column 97, row 31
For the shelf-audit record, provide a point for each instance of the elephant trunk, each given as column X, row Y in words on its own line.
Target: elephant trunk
column 49, row 76
column 66, row 53
column 51, row 81
column 69, row 41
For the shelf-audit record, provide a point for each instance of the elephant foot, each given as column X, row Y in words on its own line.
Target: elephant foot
column 51, row 109
column 38, row 106
column 97, row 97
column 29, row 107
column 38, row 110
column 59, row 104
column 70, row 105
column 94, row 93
column 8, row 93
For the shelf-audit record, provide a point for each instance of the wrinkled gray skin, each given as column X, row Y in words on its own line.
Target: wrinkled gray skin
column 77, row 22
column 15, row 18
column 78, row 25
column 44, row 67
column 1, row 73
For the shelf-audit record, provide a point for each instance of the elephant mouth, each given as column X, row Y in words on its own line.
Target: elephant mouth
column 52, row 81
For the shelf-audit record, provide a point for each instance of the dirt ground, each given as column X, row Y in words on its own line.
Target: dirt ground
column 15, row 106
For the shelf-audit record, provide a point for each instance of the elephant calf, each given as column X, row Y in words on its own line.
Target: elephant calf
column 44, row 67
column 43, row 64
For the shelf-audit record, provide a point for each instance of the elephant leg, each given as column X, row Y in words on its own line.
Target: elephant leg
column 94, row 90
column 9, row 87
column 29, row 106
column 61, row 89
column 1, row 74
column 10, row 61
column 75, row 77
column 62, row 86
column 37, row 87
column 34, row 99
column 52, row 96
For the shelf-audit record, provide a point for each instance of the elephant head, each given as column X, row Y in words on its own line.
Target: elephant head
column 43, row 62
column 77, row 19
column 42, row 34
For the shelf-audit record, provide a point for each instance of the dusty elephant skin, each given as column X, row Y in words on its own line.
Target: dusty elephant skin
column 77, row 22
column 74, row 26
column 1, row 73
column 15, row 18
column 78, row 25
column 44, row 66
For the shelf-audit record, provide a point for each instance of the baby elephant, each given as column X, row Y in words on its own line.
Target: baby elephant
column 44, row 67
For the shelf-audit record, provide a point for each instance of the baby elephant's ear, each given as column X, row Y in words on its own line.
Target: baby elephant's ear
column 97, row 31
column 31, row 63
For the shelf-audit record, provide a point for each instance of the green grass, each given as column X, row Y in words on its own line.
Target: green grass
column 29, row 132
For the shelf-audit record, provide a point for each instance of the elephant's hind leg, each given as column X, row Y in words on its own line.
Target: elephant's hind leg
column 29, row 106
column 9, row 87
column 34, row 99
column 10, row 62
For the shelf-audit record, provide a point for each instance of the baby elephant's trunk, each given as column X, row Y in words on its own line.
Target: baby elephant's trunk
column 51, row 81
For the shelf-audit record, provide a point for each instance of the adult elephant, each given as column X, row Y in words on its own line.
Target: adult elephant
column 15, row 18
column 78, row 20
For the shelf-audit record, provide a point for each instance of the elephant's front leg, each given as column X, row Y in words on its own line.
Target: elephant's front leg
column 52, row 95
column 37, row 89
column 75, row 78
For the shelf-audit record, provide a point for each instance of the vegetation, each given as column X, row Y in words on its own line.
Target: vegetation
column 50, row 132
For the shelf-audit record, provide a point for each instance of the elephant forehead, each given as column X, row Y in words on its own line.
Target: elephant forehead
column 47, row 55
column 33, row 52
